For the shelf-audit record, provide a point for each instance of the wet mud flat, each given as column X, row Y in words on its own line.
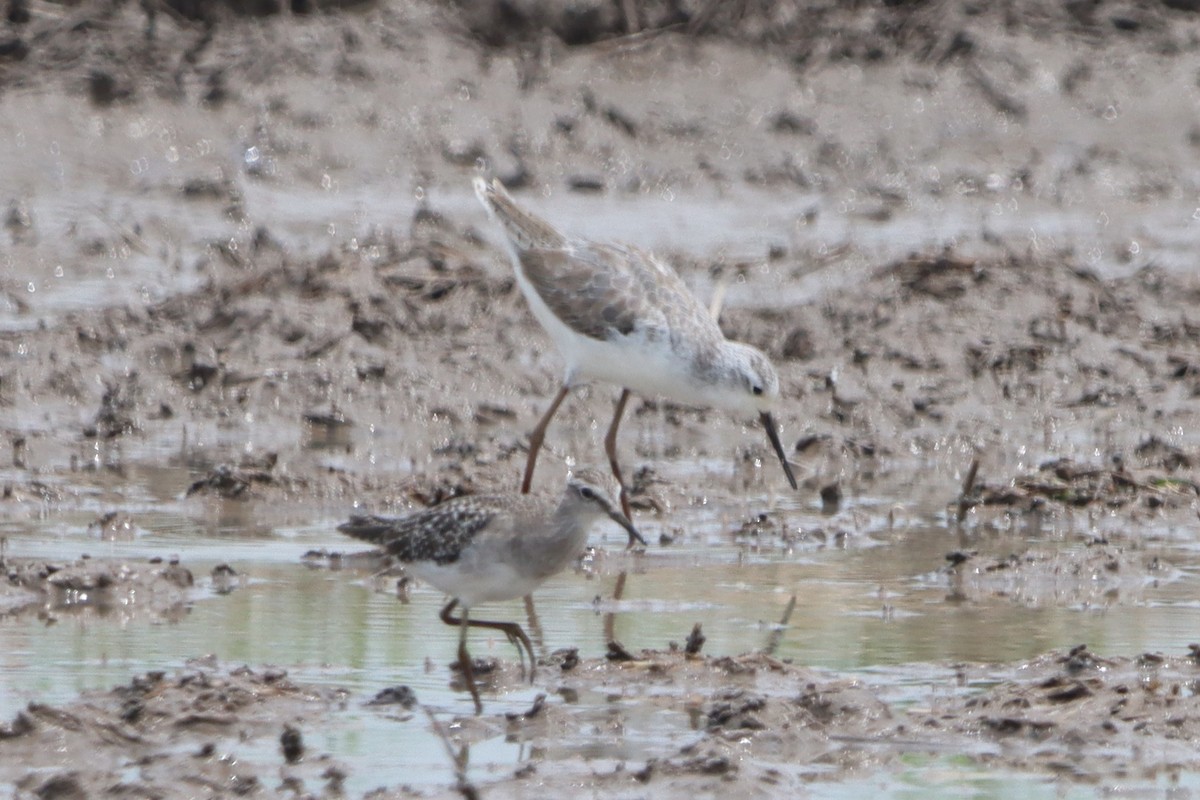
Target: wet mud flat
column 1031, row 395
column 750, row 721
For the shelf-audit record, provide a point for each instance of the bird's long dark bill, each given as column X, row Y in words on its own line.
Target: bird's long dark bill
column 773, row 434
column 620, row 519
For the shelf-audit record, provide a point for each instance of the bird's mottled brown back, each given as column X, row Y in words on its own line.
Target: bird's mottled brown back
column 438, row 534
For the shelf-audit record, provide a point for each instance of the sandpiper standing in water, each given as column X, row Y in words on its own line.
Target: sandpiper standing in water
column 619, row 314
column 482, row 548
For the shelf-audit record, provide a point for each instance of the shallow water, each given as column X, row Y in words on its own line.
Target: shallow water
column 873, row 602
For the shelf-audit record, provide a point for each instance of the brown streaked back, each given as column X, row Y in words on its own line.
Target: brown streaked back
column 438, row 534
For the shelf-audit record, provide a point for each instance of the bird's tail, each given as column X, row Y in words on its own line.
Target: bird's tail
column 367, row 528
column 525, row 230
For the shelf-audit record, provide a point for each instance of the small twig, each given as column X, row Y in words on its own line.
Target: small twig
column 135, row 241
column 459, row 759
column 965, row 501
column 626, row 43
column 777, row 635
column 998, row 99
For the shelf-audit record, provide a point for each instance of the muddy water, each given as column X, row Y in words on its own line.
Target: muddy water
column 873, row 601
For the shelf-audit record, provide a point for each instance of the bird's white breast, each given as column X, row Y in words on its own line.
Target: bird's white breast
column 473, row 583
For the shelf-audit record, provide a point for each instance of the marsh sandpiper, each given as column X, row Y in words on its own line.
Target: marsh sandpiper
column 619, row 314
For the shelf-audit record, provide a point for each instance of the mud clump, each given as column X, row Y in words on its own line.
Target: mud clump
column 1065, row 483
column 1062, row 700
column 169, row 725
column 95, row 586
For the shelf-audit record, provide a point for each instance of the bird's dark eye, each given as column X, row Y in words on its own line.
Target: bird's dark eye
column 757, row 390
column 586, row 493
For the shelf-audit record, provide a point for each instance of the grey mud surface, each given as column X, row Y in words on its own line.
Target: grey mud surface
column 1067, row 366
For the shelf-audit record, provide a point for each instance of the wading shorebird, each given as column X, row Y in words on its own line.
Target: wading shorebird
column 484, row 548
column 621, row 315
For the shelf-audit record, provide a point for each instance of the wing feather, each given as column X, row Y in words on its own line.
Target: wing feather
column 437, row 534
column 606, row 290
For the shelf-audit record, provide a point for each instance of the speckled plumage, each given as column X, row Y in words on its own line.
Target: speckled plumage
column 482, row 548
column 492, row 547
column 441, row 533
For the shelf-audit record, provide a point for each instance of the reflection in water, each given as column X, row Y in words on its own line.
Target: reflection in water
column 610, row 617
column 776, row 635
column 535, row 625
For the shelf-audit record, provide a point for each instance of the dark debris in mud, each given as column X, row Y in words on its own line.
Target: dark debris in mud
column 748, row 712
column 168, row 725
column 155, row 588
column 1074, row 705
column 234, row 483
column 101, row 584
column 402, row 696
column 1073, row 708
column 1065, row 483
column 810, row 35
column 1085, row 710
